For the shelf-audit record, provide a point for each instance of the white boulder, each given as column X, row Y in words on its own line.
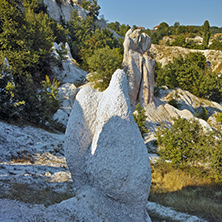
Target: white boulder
column 106, row 155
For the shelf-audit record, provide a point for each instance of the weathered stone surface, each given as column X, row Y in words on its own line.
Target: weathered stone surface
column 68, row 72
column 64, row 9
column 67, row 93
column 139, row 67
column 106, row 154
column 61, row 117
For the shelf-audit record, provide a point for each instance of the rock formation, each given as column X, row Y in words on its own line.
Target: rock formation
column 63, row 9
column 139, row 67
column 106, row 155
column 68, row 72
column 67, row 93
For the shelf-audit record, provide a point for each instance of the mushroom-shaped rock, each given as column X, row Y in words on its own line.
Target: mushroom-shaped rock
column 106, row 154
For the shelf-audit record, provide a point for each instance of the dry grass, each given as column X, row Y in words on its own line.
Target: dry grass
column 26, row 193
column 186, row 192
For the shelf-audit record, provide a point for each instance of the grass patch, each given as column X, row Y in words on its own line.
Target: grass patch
column 186, row 191
column 26, row 193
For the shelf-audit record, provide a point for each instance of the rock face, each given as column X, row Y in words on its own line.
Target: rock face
column 139, row 67
column 106, row 155
column 67, row 93
column 64, row 9
column 68, row 72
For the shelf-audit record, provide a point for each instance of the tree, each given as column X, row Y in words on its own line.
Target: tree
column 190, row 73
column 140, row 119
column 206, row 34
column 187, row 143
column 102, row 64
column 182, row 142
column 92, row 6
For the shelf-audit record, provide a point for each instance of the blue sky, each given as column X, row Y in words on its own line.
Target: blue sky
column 148, row 13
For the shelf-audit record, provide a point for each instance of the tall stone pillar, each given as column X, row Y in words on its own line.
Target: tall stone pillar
column 139, row 67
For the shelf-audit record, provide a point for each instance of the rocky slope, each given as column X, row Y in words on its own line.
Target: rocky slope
column 34, row 177
column 164, row 54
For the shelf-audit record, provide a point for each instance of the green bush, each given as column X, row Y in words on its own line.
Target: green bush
column 203, row 114
column 140, row 119
column 190, row 74
column 102, row 65
column 10, row 106
column 218, row 117
column 186, row 143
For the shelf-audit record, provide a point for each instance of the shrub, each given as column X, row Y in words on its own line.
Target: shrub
column 49, row 98
column 102, row 65
column 186, row 143
column 218, row 117
column 178, row 143
column 203, row 114
column 140, row 119
column 10, row 106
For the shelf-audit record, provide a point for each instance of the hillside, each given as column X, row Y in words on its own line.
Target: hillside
column 43, row 83
column 164, row 54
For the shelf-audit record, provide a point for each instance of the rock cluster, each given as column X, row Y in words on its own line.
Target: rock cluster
column 106, row 155
column 139, row 67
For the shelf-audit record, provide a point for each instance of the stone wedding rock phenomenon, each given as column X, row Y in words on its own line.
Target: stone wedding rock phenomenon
column 106, row 155
column 139, row 67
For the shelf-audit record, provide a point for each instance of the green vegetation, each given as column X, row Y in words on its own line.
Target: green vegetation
column 92, row 6
column 26, row 38
column 218, row 117
column 140, row 119
column 206, row 34
column 102, row 64
column 182, row 189
column 119, row 29
column 190, row 73
column 186, row 143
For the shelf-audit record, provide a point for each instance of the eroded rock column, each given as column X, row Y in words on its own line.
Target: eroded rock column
column 139, row 67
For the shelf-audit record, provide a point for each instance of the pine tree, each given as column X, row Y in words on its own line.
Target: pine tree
column 206, row 34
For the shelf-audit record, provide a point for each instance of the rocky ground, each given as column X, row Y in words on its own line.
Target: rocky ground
column 35, row 183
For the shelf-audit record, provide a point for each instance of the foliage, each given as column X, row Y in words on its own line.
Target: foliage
column 181, row 41
column 206, row 34
column 178, row 143
column 26, row 37
column 10, row 106
column 61, row 56
column 102, row 65
column 99, row 39
column 49, row 97
column 203, row 114
column 218, row 117
column 92, row 6
column 216, row 45
column 190, row 74
column 140, row 119
column 186, row 142
column 119, row 29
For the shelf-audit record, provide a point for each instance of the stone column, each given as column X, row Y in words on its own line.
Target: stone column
column 139, row 67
